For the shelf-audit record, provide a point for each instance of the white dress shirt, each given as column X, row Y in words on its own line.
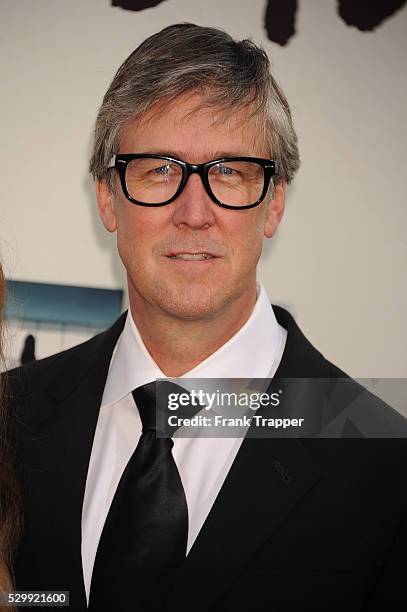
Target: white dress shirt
column 254, row 351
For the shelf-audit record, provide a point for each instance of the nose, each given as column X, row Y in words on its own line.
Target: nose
column 193, row 207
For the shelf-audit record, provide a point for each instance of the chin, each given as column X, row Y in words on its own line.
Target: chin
column 192, row 301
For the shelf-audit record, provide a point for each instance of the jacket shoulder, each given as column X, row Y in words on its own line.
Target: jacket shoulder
column 345, row 406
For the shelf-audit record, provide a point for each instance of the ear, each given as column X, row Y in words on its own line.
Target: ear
column 275, row 210
column 106, row 207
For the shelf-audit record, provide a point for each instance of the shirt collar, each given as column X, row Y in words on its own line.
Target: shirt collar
column 261, row 338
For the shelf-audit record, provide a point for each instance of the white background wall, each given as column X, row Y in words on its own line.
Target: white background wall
column 339, row 259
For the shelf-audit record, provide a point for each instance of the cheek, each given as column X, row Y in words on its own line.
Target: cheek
column 246, row 248
column 129, row 237
column 248, row 235
column 137, row 233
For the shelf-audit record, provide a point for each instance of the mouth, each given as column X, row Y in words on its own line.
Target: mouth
column 191, row 256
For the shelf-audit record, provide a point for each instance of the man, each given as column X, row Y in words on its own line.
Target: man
column 194, row 146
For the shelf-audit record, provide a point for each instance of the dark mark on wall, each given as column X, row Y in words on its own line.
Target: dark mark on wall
column 366, row 15
column 280, row 20
column 136, row 5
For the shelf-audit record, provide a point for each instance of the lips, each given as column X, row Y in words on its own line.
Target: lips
column 191, row 256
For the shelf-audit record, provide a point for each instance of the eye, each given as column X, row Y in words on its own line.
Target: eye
column 225, row 170
column 162, row 169
column 228, row 171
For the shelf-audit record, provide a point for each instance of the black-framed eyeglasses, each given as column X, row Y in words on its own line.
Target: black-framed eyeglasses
column 157, row 180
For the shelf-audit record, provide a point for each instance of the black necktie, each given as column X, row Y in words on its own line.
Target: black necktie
column 144, row 538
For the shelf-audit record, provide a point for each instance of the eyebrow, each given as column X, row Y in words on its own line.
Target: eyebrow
column 211, row 155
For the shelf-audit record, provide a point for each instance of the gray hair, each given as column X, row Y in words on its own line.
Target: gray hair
column 182, row 58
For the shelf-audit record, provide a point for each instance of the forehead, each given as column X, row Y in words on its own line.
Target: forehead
column 189, row 127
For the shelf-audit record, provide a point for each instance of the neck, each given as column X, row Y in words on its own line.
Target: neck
column 178, row 345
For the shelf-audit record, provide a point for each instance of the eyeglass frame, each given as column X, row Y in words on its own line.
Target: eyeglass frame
column 121, row 160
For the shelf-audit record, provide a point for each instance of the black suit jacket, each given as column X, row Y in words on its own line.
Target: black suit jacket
column 305, row 524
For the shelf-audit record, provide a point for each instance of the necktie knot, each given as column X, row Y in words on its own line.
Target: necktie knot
column 152, row 401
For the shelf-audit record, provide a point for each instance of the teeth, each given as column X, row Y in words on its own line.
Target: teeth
column 192, row 256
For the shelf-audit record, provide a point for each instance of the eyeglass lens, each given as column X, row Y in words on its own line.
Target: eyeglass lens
column 235, row 183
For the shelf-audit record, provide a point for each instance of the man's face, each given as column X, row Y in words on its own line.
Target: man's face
column 148, row 238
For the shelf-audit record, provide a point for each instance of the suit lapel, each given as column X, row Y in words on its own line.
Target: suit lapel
column 80, row 404
column 266, row 481
column 81, row 410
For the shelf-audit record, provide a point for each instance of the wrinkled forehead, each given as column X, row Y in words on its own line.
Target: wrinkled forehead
column 192, row 109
